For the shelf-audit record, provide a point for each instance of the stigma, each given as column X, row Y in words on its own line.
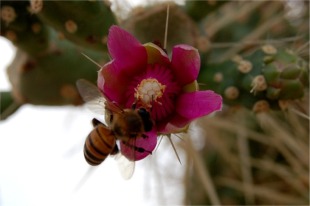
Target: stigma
column 149, row 90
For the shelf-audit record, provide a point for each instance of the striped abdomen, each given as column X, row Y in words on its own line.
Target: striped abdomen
column 98, row 145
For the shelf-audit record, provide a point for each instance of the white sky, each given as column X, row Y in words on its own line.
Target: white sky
column 41, row 161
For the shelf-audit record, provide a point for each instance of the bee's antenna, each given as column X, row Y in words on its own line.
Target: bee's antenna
column 87, row 57
column 175, row 151
column 166, row 28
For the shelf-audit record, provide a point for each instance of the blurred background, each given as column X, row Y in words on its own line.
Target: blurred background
column 254, row 152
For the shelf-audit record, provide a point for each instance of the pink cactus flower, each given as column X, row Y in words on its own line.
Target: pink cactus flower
column 145, row 75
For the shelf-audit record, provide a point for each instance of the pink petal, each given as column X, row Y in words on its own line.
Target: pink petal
column 129, row 54
column 185, row 63
column 193, row 105
column 148, row 144
column 110, row 82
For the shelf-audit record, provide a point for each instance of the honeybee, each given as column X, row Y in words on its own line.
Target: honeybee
column 99, row 144
column 123, row 125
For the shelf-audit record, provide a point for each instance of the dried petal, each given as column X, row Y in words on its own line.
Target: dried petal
column 155, row 55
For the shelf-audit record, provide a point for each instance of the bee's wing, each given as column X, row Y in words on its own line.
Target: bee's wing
column 126, row 167
column 93, row 98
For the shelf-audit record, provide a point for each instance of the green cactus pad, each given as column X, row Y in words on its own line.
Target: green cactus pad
column 22, row 28
column 49, row 79
column 85, row 23
column 250, row 80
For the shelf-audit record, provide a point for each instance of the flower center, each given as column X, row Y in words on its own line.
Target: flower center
column 149, row 90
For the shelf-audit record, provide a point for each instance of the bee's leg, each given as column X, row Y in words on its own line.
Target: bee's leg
column 134, row 105
column 147, row 121
column 138, row 149
column 108, row 117
column 141, row 150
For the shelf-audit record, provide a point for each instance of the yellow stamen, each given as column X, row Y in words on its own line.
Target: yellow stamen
column 149, row 90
